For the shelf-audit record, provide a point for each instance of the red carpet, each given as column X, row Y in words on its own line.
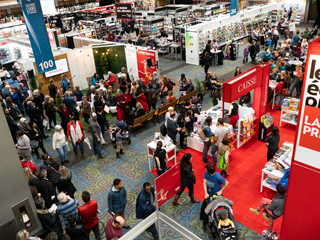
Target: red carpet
column 245, row 168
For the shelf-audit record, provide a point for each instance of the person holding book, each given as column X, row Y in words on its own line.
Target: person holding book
column 273, row 143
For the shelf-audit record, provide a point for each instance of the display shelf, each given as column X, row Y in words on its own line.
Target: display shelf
column 247, row 138
column 250, row 122
column 283, row 119
column 267, row 185
column 292, row 112
column 248, row 130
column 287, row 121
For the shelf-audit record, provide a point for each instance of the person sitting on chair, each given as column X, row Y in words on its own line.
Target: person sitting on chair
column 274, row 207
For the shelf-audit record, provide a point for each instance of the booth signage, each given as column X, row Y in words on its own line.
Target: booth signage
column 233, row 7
column 124, row 11
column 168, row 184
column 145, row 72
column 305, row 165
column 38, row 35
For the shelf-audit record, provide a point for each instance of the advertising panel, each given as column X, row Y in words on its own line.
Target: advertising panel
column 145, row 73
column 233, row 7
column 168, row 184
column 192, row 56
column 132, row 65
column 38, row 35
column 62, row 67
column 48, row 7
column 124, row 11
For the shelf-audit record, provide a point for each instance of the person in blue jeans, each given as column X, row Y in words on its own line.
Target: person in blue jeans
column 207, row 141
column 59, row 143
column 219, row 134
column 96, row 134
column 145, row 206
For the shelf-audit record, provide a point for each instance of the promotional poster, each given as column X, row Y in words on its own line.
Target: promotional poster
column 168, row 184
column 144, row 71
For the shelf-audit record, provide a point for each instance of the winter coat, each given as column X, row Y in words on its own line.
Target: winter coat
column 117, row 200
column 186, row 176
column 50, row 221
column 144, row 208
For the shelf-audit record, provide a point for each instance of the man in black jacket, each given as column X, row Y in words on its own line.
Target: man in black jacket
column 181, row 123
column 253, row 51
column 12, row 125
column 45, row 187
column 172, row 127
column 74, row 230
column 35, row 114
column 52, row 173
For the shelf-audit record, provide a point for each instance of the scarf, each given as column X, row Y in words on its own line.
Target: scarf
column 76, row 134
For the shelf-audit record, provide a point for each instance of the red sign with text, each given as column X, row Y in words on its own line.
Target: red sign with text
column 168, row 184
column 145, row 73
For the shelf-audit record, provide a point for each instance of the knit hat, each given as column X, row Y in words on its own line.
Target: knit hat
column 22, row 120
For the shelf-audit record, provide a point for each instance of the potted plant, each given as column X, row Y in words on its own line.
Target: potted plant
column 200, row 88
column 33, row 82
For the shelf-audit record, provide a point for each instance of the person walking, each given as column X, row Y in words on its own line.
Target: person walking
column 117, row 199
column 102, row 121
column 223, row 151
column 86, row 109
column 253, row 51
column 95, row 130
column 88, row 213
column 36, row 140
column 161, row 158
column 219, row 134
column 76, row 134
column 187, row 179
column 59, row 144
column 207, row 141
column 145, row 206
column 119, row 138
column 65, row 184
column 206, row 62
column 64, row 116
column 24, row 145
column 272, row 143
column 49, row 110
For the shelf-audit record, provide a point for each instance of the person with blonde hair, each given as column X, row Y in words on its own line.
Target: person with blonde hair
column 30, row 177
column 24, row 235
column 166, row 83
column 65, row 184
column 140, row 112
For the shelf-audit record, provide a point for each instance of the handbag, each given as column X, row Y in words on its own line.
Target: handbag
column 86, row 140
column 285, row 92
column 34, row 144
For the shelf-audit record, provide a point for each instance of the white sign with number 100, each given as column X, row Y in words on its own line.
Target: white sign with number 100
column 46, row 65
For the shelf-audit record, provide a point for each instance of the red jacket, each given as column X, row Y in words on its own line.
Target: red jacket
column 82, row 129
column 143, row 100
column 88, row 214
column 279, row 87
column 32, row 167
column 65, row 114
column 110, row 81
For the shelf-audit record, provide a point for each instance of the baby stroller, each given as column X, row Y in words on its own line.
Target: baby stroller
column 112, row 132
column 212, row 231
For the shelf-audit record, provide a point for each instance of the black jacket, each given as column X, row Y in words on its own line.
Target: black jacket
column 52, row 171
column 12, row 125
column 34, row 114
column 47, row 190
column 186, row 176
column 172, row 127
column 181, row 121
column 52, row 91
column 129, row 117
column 65, row 185
column 38, row 101
column 140, row 113
column 206, row 61
column 76, row 232
column 101, row 119
column 50, row 222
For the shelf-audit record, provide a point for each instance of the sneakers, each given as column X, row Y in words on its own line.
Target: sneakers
column 255, row 211
column 266, row 217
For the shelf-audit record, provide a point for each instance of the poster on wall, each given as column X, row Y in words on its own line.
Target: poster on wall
column 38, row 35
column 132, row 65
column 48, row 7
column 124, row 11
column 192, row 56
column 144, row 72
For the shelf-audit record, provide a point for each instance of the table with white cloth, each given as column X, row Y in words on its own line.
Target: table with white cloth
column 171, row 151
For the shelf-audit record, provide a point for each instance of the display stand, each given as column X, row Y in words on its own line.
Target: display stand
column 283, row 113
column 171, row 151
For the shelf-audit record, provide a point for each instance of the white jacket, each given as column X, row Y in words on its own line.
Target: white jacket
column 59, row 140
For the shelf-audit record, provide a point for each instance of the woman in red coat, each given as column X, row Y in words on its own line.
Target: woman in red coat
column 141, row 98
column 110, row 80
column 120, row 103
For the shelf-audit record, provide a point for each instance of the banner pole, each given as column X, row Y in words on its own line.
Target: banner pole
column 157, row 214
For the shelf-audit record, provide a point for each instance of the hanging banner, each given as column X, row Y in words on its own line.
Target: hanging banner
column 233, row 7
column 145, row 72
column 305, row 165
column 124, row 11
column 168, row 184
column 48, row 7
column 38, row 35
column 132, row 65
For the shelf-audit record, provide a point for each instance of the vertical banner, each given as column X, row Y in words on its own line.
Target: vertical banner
column 144, row 71
column 192, row 53
column 124, row 11
column 38, row 35
column 132, row 65
column 168, row 184
column 233, row 7
column 305, row 166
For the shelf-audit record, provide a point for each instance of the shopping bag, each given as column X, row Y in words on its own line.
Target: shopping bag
column 67, row 147
column 45, row 122
column 222, row 163
column 101, row 139
column 106, row 109
column 86, row 140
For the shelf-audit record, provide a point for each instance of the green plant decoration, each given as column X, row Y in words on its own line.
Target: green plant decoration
column 33, row 82
column 104, row 63
column 199, row 86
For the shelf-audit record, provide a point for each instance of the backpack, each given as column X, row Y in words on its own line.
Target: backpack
column 201, row 133
column 163, row 129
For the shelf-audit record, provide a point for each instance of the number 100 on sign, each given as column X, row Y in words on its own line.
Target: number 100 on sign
column 46, row 65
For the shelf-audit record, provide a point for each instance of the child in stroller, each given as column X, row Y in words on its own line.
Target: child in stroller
column 226, row 224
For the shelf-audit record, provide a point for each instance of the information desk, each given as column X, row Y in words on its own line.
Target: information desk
column 171, row 151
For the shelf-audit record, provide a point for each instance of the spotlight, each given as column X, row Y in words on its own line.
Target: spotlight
column 116, row 55
column 102, row 53
column 96, row 51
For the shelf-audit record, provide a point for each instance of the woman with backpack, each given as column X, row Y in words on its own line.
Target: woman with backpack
column 223, row 152
column 205, row 134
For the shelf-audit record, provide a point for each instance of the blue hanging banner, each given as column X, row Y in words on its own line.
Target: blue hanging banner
column 233, row 7
column 38, row 35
